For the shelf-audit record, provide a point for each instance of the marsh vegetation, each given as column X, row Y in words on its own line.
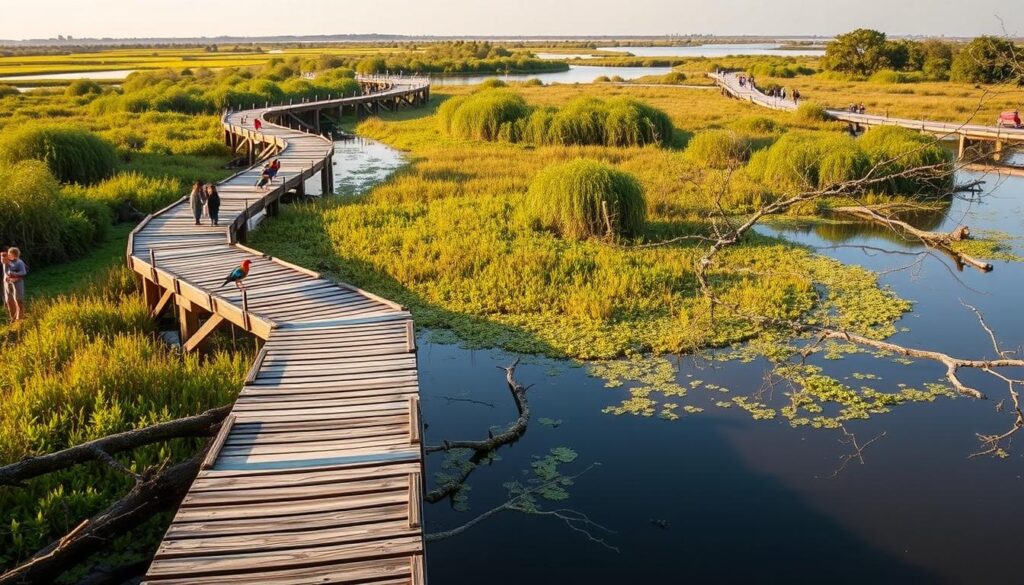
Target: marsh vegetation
column 572, row 223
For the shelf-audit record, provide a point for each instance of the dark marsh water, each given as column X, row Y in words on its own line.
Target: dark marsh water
column 717, row 497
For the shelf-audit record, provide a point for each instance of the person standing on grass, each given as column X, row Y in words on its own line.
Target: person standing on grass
column 196, row 200
column 213, row 203
column 15, row 272
column 796, row 97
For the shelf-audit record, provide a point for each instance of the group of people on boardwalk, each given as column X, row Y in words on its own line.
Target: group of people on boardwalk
column 14, row 273
column 772, row 92
column 205, row 196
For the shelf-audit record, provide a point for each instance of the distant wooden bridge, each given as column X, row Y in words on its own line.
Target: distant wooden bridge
column 316, row 475
column 966, row 134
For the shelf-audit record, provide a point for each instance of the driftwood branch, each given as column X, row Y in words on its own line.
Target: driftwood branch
column 484, row 447
column 149, row 496
column 940, row 240
column 103, row 449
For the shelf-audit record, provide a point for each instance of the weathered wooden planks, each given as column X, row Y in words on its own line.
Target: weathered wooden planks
column 315, row 476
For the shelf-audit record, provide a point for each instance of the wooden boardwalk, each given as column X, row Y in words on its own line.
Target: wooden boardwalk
column 966, row 133
column 315, row 476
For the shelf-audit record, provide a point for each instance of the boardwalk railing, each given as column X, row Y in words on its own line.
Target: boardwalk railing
column 316, row 475
column 729, row 82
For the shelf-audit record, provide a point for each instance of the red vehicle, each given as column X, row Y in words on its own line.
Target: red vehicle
column 1009, row 119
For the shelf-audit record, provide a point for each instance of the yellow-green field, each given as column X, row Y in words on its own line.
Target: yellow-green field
column 118, row 59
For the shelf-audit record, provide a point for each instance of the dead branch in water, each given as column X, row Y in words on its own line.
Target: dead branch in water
column 940, row 240
column 482, row 448
column 575, row 520
column 858, row 450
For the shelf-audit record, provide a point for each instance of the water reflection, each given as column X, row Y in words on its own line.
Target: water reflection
column 747, row 501
column 575, row 74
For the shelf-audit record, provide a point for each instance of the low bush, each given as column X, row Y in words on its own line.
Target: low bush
column 585, row 198
column 480, row 116
column 810, row 113
column 718, row 149
column 37, row 217
column 917, row 164
column 74, row 155
column 8, row 90
column 803, row 161
column 80, row 87
column 757, row 126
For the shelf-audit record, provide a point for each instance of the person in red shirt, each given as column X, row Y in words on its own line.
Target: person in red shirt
column 257, row 124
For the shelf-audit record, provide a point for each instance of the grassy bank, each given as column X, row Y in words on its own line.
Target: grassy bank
column 449, row 236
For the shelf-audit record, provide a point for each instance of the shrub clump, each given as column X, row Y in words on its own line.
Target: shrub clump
column 482, row 115
column 811, row 113
column 756, row 125
column 718, row 149
column 36, row 217
column 74, row 155
column 8, row 90
column 585, row 198
column 801, row 161
column 926, row 164
column 498, row 114
column 80, row 87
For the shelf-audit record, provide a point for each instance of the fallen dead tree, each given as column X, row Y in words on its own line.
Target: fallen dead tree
column 155, row 490
column 939, row 240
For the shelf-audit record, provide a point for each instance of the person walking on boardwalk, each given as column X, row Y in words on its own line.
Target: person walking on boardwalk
column 213, row 203
column 257, row 124
column 196, row 200
column 14, row 283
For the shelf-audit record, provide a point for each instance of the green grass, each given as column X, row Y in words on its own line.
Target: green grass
column 451, row 237
column 50, row 281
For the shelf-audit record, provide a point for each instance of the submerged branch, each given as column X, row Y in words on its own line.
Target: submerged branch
column 482, row 448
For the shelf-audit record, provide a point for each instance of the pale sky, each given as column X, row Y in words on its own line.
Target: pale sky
column 190, row 18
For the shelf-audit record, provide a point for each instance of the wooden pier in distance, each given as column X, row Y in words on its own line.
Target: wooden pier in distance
column 316, row 475
column 965, row 134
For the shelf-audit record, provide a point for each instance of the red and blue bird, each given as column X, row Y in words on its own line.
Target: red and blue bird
column 238, row 274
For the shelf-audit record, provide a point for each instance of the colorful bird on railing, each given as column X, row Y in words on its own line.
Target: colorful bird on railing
column 238, row 274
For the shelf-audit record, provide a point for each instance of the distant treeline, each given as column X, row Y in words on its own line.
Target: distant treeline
column 866, row 53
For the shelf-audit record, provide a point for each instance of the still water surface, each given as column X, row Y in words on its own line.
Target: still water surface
column 719, row 498
column 720, row 50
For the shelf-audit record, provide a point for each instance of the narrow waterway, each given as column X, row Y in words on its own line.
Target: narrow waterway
column 717, row 497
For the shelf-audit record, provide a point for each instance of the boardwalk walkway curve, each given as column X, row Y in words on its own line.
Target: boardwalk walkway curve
column 965, row 133
column 316, row 475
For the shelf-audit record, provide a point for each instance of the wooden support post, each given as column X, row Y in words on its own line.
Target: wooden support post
column 997, row 154
column 188, row 320
column 151, row 291
column 962, row 147
column 245, row 310
column 316, row 120
column 202, row 333
column 327, row 177
column 161, row 305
